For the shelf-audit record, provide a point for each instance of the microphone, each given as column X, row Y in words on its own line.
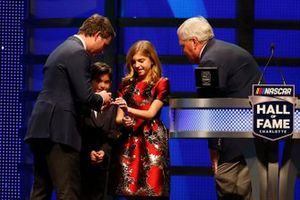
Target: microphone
column 281, row 74
column 272, row 48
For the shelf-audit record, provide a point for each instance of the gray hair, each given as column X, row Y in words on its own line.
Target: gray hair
column 195, row 27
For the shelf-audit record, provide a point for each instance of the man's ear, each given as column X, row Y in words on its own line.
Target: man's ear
column 195, row 40
column 97, row 34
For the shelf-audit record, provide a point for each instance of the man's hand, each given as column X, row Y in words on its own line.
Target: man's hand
column 97, row 156
column 106, row 96
column 214, row 157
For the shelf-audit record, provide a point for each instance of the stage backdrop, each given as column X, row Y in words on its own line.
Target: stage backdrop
column 31, row 29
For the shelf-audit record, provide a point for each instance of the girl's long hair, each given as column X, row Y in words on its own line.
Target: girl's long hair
column 146, row 49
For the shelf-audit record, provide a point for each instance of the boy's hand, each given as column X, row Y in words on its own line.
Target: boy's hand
column 97, row 156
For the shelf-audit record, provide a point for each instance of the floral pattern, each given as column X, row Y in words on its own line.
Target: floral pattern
column 144, row 157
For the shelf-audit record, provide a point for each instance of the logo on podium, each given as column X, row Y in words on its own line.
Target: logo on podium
column 273, row 109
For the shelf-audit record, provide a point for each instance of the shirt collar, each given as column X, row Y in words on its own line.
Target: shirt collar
column 200, row 54
column 82, row 41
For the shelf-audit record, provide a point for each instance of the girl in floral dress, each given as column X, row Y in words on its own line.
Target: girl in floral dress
column 144, row 158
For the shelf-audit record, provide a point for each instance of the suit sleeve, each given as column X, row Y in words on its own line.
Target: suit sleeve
column 214, row 143
column 78, row 74
column 106, row 148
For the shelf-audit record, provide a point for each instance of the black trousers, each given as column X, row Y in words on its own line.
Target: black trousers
column 56, row 168
column 94, row 182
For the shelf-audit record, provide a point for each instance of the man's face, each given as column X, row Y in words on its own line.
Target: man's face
column 189, row 49
column 99, row 44
column 103, row 82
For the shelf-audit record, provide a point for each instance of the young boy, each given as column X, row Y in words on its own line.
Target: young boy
column 99, row 133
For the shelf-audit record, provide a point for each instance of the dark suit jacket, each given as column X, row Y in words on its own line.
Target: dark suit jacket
column 66, row 87
column 237, row 72
column 99, row 133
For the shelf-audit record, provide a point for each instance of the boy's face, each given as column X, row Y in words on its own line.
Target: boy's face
column 103, row 82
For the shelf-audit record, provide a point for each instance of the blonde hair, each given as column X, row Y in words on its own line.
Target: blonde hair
column 146, row 49
column 195, row 27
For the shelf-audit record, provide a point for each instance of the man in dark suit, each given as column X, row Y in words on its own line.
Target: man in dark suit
column 53, row 129
column 100, row 135
column 237, row 72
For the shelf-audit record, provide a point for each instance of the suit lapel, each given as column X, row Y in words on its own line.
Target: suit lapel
column 98, row 121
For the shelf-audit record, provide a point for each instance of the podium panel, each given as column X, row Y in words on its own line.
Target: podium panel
column 215, row 117
column 232, row 118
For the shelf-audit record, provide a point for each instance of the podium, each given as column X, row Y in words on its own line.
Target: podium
column 232, row 118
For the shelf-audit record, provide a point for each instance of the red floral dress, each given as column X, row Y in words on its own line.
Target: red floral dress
column 144, row 158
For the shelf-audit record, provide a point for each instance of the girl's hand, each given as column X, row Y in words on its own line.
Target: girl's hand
column 122, row 104
column 127, row 121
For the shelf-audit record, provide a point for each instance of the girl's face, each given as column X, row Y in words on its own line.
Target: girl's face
column 141, row 65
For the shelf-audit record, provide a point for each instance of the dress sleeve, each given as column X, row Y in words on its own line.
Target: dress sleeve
column 162, row 90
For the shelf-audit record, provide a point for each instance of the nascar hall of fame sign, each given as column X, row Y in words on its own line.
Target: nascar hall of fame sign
column 273, row 110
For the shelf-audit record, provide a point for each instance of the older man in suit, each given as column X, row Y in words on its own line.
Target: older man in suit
column 54, row 129
column 237, row 72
